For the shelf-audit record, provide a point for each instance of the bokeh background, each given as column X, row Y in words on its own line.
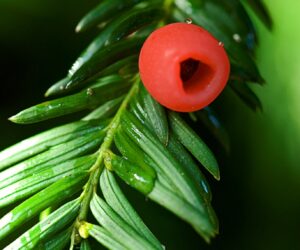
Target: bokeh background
column 258, row 197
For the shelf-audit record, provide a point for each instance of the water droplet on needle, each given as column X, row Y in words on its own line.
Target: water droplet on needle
column 236, row 37
column 90, row 91
column 189, row 20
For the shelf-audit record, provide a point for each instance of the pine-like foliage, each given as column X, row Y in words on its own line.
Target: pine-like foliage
column 68, row 174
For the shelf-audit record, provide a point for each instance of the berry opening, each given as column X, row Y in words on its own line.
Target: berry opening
column 194, row 74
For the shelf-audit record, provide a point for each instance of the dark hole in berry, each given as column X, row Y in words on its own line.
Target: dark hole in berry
column 195, row 74
column 188, row 68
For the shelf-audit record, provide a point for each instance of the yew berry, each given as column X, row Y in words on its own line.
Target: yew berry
column 183, row 67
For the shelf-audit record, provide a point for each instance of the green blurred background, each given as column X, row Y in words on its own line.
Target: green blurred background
column 258, row 197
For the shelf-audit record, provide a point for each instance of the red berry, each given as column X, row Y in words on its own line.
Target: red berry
column 183, row 67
